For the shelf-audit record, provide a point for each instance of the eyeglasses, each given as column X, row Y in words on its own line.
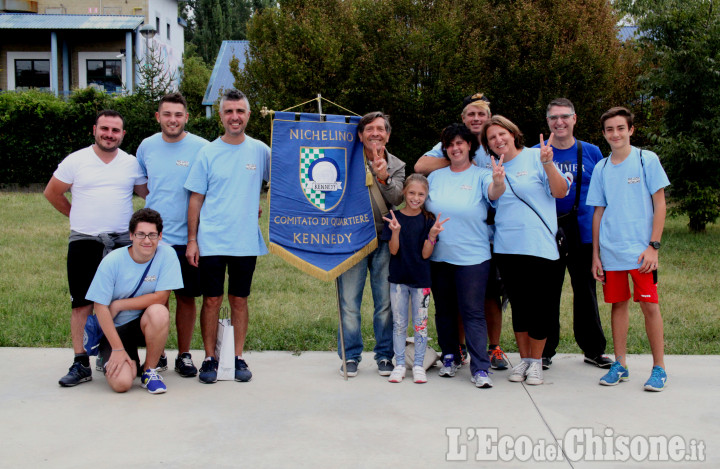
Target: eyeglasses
column 564, row 117
column 141, row 235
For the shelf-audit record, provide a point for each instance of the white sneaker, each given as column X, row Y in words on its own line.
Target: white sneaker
column 397, row 374
column 534, row 374
column 517, row 375
column 419, row 375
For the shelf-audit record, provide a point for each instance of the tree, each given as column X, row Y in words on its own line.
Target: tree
column 212, row 21
column 417, row 59
column 194, row 78
column 680, row 41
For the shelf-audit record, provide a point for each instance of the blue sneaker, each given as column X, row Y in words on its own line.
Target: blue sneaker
column 208, row 371
column 77, row 374
column 482, row 380
column 616, row 374
column 153, row 382
column 242, row 373
column 657, row 381
column 449, row 367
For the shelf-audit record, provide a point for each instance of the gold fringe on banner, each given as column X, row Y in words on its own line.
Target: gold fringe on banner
column 325, row 275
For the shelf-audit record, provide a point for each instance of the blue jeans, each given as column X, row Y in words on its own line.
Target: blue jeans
column 461, row 289
column 400, row 295
column 350, row 288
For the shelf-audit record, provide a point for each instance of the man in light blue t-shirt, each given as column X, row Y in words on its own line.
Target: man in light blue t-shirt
column 223, row 231
column 129, row 291
column 165, row 158
column 575, row 218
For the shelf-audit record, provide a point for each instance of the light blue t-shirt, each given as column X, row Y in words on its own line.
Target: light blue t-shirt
column 118, row 276
column 464, row 198
column 230, row 177
column 518, row 230
column 625, row 190
column 167, row 166
column 481, row 159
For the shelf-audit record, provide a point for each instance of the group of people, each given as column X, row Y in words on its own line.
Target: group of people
column 483, row 224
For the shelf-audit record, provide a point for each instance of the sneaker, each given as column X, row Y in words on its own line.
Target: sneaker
column 449, row 367
column 352, row 368
column 517, row 375
column 482, row 380
column 464, row 357
column 497, row 359
column 534, row 374
column 208, row 371
column 162, row 364
column 242, row 373
column 397, row 375
column 657, row 381
column 546, row 362
column 153, row 382
column 385, row 367
column 99, row 364
column 601, row 361
column 419, row 375
column 616, row 374
column 78, row 373
column 184, row 365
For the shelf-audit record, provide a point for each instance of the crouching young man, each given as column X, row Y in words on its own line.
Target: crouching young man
column 130, row 289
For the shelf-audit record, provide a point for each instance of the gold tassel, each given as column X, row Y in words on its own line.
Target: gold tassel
column 316, row 272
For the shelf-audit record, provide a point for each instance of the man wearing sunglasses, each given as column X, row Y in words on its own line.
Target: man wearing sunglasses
column 129, row 291
column 574, row 157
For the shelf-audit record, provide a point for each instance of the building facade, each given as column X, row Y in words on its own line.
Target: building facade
column 59, row 45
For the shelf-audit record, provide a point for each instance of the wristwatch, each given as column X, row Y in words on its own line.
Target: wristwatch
column 655, row 244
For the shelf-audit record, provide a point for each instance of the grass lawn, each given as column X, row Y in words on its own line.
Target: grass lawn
column 290, row 310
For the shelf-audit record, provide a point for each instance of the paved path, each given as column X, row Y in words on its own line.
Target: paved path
column 298, row 412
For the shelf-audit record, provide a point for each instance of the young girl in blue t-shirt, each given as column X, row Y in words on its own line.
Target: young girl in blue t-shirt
column 412, row 234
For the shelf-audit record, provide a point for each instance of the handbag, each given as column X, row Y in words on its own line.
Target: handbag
column 93, row 333
column 560, row 239
column 225, row 347
column 431, row 356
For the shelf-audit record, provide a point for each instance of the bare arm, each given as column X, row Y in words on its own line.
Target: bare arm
column 55, row 193
column 139, row 302
column 142, row 190
column 194, row 205
column 648, row 260
column 427, row 164
column 118, row 355
column 597, row 269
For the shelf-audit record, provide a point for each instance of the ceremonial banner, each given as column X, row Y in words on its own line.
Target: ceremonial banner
column 321, row 218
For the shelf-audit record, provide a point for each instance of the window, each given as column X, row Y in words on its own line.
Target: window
column 32, row 74
column 101, row 70
column 168, row 30
column 105, row 74
column 157, row 25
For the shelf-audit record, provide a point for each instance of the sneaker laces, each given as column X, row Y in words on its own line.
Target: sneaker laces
column 448, row 361
column 152, row 374
column 535, row 371
column 657, row 372
column 186, row 361
column 497, row 353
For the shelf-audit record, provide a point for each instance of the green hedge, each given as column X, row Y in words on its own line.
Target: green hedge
column 38, row 130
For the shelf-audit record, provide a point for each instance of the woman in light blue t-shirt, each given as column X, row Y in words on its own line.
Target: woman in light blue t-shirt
column 460, row 263
column 525, row 247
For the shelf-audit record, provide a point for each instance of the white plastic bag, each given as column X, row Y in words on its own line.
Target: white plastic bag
column 225, row 350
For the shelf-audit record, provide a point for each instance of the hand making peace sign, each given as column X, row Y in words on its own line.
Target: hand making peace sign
column 392, row 224
column 498, row 170
column 437, row 226
column 546, row 151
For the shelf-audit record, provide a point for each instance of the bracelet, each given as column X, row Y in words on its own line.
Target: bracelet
column 546, row 162
column 431, row 241
column 192, row 240
column 118, row 349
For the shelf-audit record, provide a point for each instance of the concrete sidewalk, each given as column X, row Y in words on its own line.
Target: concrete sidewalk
column 298, row 412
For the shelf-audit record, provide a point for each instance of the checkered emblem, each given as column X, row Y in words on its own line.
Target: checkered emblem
column 315, row 162
column 307, row 157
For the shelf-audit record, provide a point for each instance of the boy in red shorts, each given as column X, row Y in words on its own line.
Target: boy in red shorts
column 628, row 192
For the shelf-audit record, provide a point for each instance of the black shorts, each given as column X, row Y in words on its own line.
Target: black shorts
column 190, row 275
column 240, row 271
column 494, row 285
column 131, row 336
column 83, row 259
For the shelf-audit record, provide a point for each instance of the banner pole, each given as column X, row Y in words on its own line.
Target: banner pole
column 319, row 105
column 342, row 333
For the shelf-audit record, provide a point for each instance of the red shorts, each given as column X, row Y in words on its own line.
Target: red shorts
column 617, row 287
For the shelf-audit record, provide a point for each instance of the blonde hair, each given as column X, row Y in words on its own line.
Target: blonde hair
column 422, row 180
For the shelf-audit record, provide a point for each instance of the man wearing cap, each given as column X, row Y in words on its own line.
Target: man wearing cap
column 475, row 112
column 386, row 175
column 576, row 159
